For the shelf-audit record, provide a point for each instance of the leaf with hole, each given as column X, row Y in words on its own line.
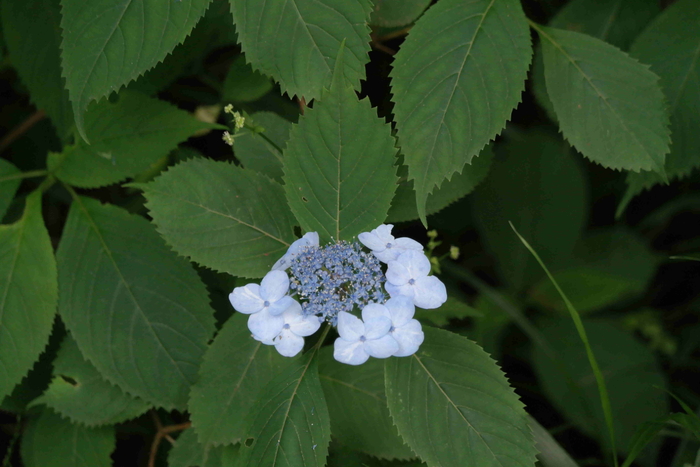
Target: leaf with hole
column 454, row 407
column 28, row 293
column 222, row 216
column 138, row 312
column 456, row 80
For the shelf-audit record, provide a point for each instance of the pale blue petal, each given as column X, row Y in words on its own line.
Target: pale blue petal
column 429, row 293
column 246, row 299
column 288, row 344
column 371, row 241
column 281, row 305
column 405, row 243
column 384, row 233
column 388, row 254
column 401, row 310
column 350, row 327
column 381, row 348
column 274, row 286
column 409, row 337
column 377, row 327
column 397, row 273
column 417, row 264
column 264, row 341
column 308, row 240
column 405, row 290
column 265, row 326
column 374, row 311
column 301, row 325
column 350, row 352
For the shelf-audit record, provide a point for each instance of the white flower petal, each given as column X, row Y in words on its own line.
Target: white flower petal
column 350, row 327
column 265, row 326
column 371, row 241
column 377, row 327
column 308, row 240
column 401, row 309
column 417, row 264
column 381, row 348
column 288, row 344
column 274, row 286
column 397, row 273
column 388, row 254
column 264, row 341
column 281, row 305
column 246, row 299
column 405, row 290
column 409, row 337
column 350, row 352
column 374, row 311
column 405, row 243
column 384, row 233
column 429, row 293
column 302, row 325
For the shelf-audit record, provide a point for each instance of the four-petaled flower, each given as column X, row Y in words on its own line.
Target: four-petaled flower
column 307, row 241
column 360, row 340
column 404, row 329
column 384, row 246
column 291, row 331
column 408, row 276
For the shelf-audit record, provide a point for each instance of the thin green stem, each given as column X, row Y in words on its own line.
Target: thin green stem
column 6, row 462
column 22, row 175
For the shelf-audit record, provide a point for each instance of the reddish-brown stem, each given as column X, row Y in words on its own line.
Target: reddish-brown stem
column 163, row 432
column 393, row 35
column 20, row 129
column 302, row 104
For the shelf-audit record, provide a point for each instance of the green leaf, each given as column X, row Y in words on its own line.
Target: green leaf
column 395, row 13
column 536, row 183
column 403, row 206
column 107, row 45
column 606, row 267
column 28, row 293
column 453, row 308
column 291, row 426
column 242, row 232
column 138, row 312
column 643, row 436
column 454, row 407
column 32, row 32
column 296, row 42
column 125, row 138
column 79, row 392
column 609, row 106
column 622, row 359
column 357, row 405
column 332, row 187
column 551, row 453
column 456, row 80
column 488, row 329
column 671, row 45
column 234, row 371
column 188, row 452
column 9, row 182
column 242, row 84
column 262, row 152
column 52, row 441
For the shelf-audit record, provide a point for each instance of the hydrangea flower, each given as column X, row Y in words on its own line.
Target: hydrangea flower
column 407, row 331
column 310, row 240
column 408, row 276
column 270, row 296
column 290, row 334
column 384, row 246
column 360, row 340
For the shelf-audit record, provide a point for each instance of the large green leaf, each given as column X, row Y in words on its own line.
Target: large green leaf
column 221, row 216
column 138, row 312
column 106, row 44
column 290, row 426
column 606, row 267
column 395, row 13
column 243, row 84
column 454, row 407
column 403, row 206
column 331, row 184
column 297, row 41
column 28, row 293
column 536, row 183
column 126, row 137
column 235, row 370
column 357, row 405
column 189, row 452
column 9, row 182
column 32, row 32
column 80, row 393
column 263, row 151
column 456, row 80
column 671, row 45
column 609, row 106
column 52, row 441
column 622, row 359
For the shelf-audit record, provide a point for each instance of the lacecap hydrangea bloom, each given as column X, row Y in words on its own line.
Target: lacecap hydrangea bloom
column 369, row 295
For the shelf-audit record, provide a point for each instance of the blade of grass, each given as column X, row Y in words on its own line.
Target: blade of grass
column 600, row 381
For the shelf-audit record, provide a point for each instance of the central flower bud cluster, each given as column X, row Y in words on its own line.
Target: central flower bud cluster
column 336, row 277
